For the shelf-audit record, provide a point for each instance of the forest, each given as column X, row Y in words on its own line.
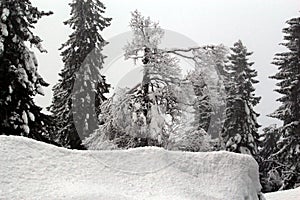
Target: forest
column 209, row 108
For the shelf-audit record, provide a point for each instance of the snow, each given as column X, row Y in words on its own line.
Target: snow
column 26, row 128
column 293, row 194
column 31, row 116
column 3, row 29
column 24, row 117
column 5, row 14
column 1, row 45
column 40, row 90
column 33, row 170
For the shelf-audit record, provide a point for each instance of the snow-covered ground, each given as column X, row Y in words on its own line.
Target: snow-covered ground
column 34, row 170
column 284, row 195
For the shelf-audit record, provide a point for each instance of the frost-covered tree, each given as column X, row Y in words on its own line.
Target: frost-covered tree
column 240, row 130
column 118, row 130
column 111, row 134
column 80, row 90
column 208, row 80
column 19, row 78
column 288, row 62
column 143, row 114
column 160, row 110
column 203, row 106
column 156, row 97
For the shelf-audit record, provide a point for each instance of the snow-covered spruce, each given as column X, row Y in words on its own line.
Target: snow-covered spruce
column 287, row 151
column 81, row 89
column 240, row 130
column 19, row 78
column 269, row 175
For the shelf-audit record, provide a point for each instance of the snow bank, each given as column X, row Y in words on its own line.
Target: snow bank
column 34, row 170
column 284, row 195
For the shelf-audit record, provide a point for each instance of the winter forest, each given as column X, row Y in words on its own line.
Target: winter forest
column 187, row 98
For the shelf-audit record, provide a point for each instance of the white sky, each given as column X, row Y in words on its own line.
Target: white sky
column 258, row 23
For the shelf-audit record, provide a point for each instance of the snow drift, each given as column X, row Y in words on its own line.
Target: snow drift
column 293, row 194
column 34, row 170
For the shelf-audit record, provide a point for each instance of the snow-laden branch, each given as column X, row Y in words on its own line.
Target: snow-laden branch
column 176, row 51
column 190, row 49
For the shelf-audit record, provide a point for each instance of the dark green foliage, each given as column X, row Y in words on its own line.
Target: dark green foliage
column 240, row 132
column 80, row 91
column 19, row 79
column 288, row 146
column 269, row 168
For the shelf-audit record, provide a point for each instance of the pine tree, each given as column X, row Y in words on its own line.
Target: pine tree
column 240, row 131
column 81, row 87
column 289, row 112
column 19, row 78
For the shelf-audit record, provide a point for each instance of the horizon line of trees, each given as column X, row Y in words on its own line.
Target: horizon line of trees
column 167, row 109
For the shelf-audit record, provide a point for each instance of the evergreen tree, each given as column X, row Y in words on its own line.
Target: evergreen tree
column 19, row 78
column 269, row 168
column 288, row 153
column 240, row 131
column 81, row 86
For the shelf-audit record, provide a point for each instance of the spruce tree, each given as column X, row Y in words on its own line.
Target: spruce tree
column 268, row 166
column 81, row 87
column 19, row 78
column 289, row 112
column 240, row 130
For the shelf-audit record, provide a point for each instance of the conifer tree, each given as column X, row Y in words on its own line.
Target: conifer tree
column 19, row 78
column 81, row 86
column 268, row 166
column 288, row 63
column 240, row 130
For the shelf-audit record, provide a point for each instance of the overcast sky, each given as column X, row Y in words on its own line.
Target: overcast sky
column 258, row 23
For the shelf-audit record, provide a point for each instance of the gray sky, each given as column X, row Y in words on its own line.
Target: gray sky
column 258, row 23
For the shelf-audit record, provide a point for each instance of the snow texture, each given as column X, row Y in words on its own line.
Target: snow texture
column 33, row 170
column 293, row 194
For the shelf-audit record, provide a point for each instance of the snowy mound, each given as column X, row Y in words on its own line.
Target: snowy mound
column 34, row 170
column 284, row 195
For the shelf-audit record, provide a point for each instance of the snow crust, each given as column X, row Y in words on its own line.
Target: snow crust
column 33, row 170
column 284, row 195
